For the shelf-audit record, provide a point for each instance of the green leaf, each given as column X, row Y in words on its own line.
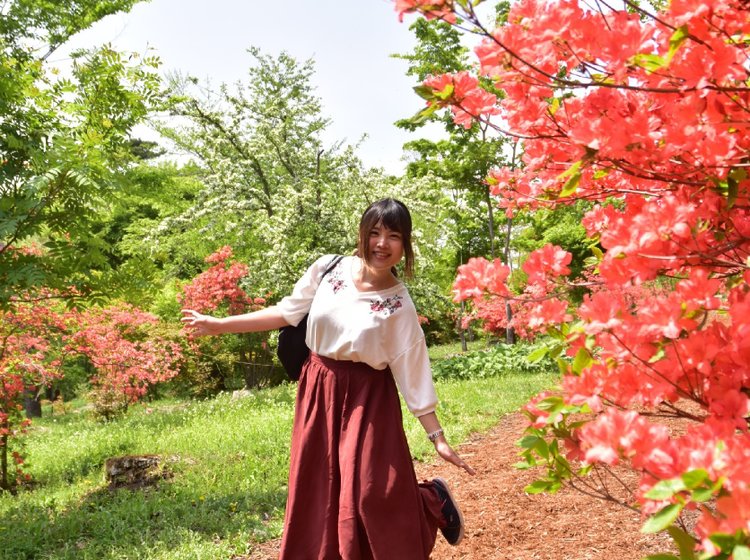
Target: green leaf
column 562, row 365
column 556, row 350
column 601, row 173
column 649, row 62
column 528, row 442
column 422, row 116
column 694, row 478
column 702, row 494
column 685, row 543
column 582, row 360
column 723, row 541
column 665, row 489
column 678, row 37
column 734, row 178
column 537, row 487
column 425, row 92
column 446, row 93
column 741, row 552
column 557, row 334
column 658, row 355
column 662, row 519
column 541, row 448
column 570, row 171
column 549, row 403
column 573, row 175
column 554, row 105
column 537, row 355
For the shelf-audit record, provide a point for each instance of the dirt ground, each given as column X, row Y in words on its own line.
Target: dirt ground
column 504, row 523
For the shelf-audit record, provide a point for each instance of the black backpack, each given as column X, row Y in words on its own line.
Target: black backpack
column 292, row 350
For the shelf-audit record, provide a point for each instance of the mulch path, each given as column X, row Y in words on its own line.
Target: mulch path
column 504, row 523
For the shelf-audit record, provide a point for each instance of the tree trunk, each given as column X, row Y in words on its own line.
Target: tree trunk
column 461, row 329
column 4, row 485
column 490, row 221
column 32, row 404
column 510, row 334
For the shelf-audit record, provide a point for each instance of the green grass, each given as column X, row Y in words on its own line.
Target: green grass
column 229, row 463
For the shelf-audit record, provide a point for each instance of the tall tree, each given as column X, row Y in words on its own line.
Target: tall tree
column 273, row 190
column 468, row 154
column 465, row 158
column 63, row 142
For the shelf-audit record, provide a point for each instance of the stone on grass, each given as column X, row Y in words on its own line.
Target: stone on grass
column 135, row 471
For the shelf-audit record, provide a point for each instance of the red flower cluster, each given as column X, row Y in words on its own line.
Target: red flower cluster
column 220, row 285
column 463, row 94
column 430, row 9
column 128, row 357
column 537, row 308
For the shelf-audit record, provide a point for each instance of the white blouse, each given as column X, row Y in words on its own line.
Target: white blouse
column 379, row 328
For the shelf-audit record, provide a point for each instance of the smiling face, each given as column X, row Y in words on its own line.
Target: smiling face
column 385, row 235
column 385, row 247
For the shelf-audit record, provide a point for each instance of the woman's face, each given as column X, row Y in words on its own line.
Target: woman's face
column 386, row 247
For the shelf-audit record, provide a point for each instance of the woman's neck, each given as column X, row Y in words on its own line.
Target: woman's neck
column 372, row 279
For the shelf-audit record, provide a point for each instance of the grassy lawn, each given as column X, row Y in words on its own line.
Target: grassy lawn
column 228, row 460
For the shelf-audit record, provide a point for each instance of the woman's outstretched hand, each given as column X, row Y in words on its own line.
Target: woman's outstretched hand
column 202, row 325
column 446, row 452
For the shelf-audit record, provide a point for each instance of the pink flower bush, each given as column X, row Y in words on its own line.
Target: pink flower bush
column 645, row 116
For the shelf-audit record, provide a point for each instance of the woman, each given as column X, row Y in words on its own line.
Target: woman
column 353, row 493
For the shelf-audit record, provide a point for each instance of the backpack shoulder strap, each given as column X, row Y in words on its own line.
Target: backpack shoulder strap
column 334, row 261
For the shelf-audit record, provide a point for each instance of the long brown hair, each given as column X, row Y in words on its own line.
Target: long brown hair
column 394, row 215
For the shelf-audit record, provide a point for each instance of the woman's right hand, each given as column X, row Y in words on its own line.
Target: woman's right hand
column 201, row 325
column 446, row 452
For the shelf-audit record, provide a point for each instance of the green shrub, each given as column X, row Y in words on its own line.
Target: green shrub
column 496, row 360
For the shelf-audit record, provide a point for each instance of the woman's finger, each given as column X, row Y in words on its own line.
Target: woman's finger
column 452, row 457
column 462, row 464
column 468, row 469
column 190, row 317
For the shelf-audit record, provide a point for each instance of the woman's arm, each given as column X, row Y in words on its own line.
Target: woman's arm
column 431, row 425
column 266, row 319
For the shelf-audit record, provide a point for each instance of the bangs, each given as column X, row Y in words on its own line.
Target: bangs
column 393, row 217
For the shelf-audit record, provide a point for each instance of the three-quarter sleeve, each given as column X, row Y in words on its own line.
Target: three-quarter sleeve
column 295, row 306
column 411, row 370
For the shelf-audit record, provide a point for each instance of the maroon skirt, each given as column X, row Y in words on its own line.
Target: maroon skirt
column 353, row 493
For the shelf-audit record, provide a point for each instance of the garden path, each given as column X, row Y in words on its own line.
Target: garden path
column 504, row 523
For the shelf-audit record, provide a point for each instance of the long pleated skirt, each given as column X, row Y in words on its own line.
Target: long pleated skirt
column 353, row 493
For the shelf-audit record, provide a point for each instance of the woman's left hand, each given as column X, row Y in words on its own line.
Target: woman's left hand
column 446, row 452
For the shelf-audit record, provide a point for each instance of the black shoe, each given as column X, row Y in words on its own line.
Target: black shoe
column 454, row 530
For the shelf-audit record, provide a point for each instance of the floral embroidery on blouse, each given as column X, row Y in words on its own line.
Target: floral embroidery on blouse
column 388, row 305
column 335, row 278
